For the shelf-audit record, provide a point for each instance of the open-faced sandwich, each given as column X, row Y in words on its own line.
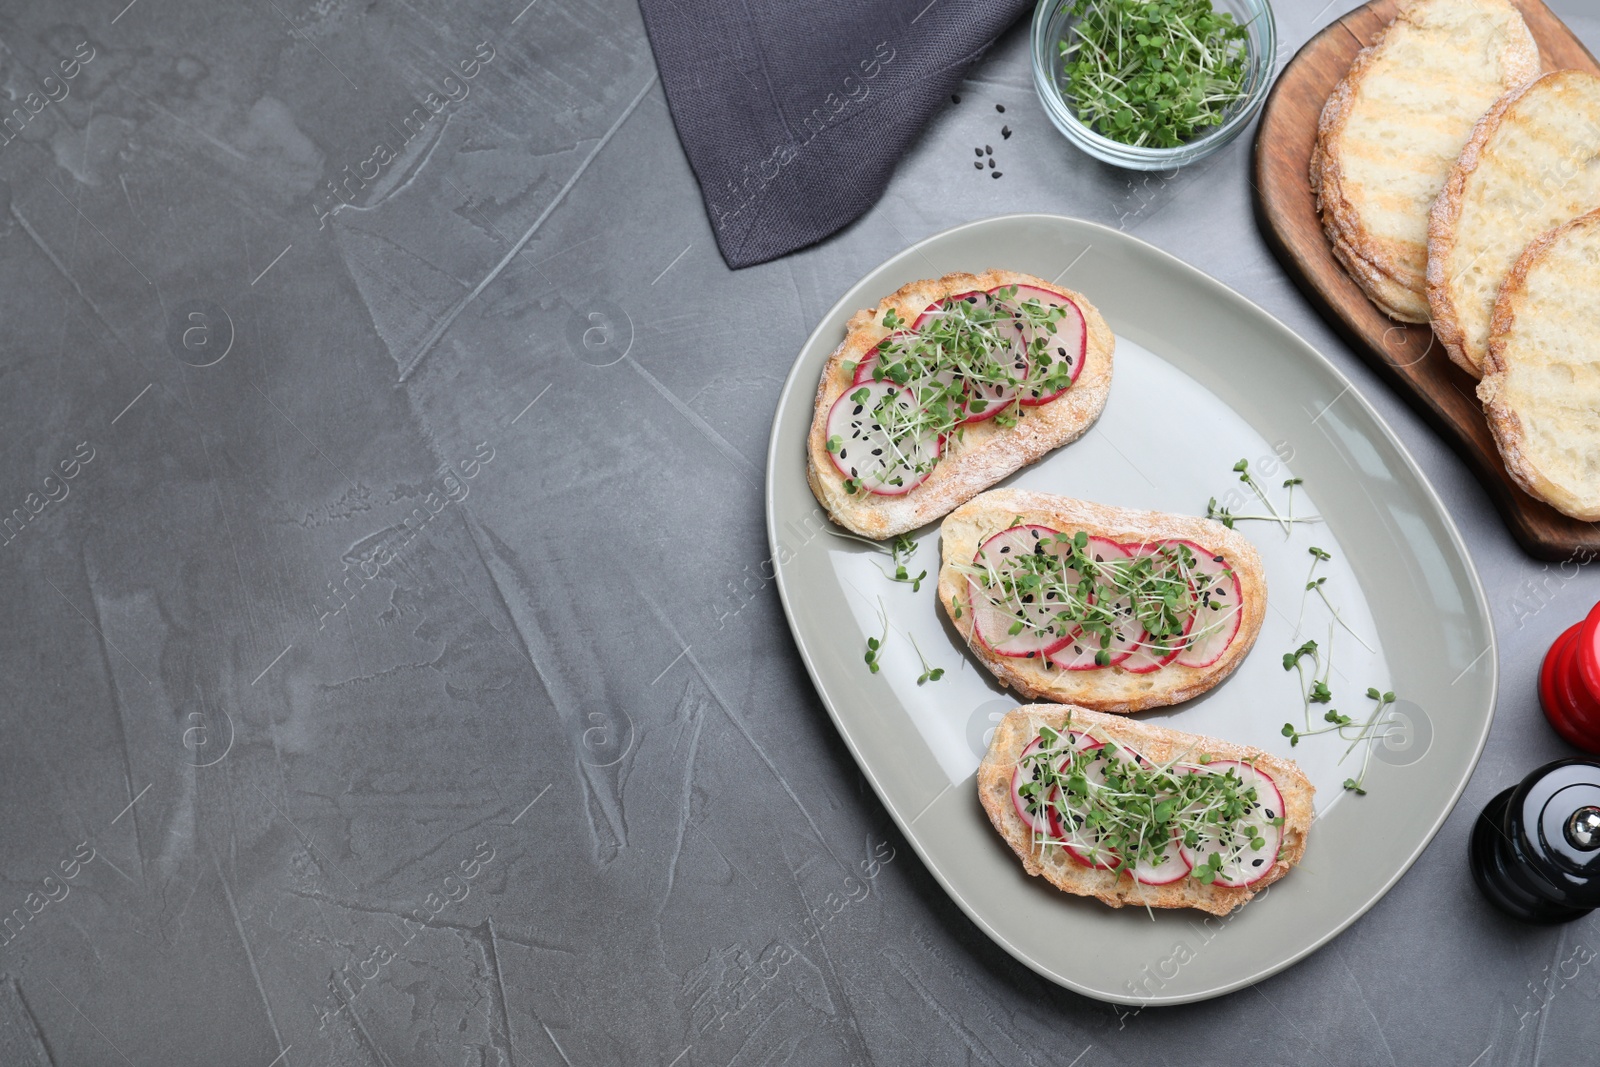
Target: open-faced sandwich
column 1131, row 813
column 945, row 388
column 1103, row 607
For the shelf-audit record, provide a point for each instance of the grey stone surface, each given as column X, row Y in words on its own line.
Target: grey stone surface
column 396, row 681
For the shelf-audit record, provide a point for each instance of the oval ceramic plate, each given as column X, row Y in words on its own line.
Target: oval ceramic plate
column 1203, row 378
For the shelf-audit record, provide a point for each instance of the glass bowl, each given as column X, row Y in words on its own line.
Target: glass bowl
column 1052, row 23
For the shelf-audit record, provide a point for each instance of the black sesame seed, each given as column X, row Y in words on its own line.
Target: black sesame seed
column 1255, row 863
column 994, row 174
column 978, row 152
column 988, row 150
column 991, row 164
column 858, row 410
column 1000, row 108
column 1005, row 131
column 843, row 454
column 978, row 164
column 875, row 452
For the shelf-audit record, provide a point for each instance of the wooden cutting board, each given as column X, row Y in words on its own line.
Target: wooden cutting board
column 1409, row 356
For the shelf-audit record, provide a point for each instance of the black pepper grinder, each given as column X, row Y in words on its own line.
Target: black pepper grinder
column 1535, row 850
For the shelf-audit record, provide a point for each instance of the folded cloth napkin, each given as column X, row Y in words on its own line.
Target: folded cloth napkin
column 793, row 113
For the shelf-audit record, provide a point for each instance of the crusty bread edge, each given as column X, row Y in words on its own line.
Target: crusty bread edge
column 1095, row 689
column 1442, row 221
column 994, row 452
column 1504, row 423
column 1021, row 725
column 1372, row 263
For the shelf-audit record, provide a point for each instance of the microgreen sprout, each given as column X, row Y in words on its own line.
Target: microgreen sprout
column 963, row 357
column 875, row 644
column 1111, row 804
column 901, row 549
column 1228, row 517
column 1155, row 74
column 1314, row 585
column 1059, row 587
column 929, row 674
column 1382, row 702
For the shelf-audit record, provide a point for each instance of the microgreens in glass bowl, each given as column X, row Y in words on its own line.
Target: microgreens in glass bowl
column 1152, row 84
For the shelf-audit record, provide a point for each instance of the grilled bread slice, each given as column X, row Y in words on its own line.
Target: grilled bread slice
column 1541, row 385
column 1160, row 746
column 1393, row 128
column 1533, row 163
column 1108, row 688
column 981, row 453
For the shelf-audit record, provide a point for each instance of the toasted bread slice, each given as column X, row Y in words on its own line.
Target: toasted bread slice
column 1108, row 689
column 1395, row 125
column 1533, row 163
column 1541, row 386
column 986, row 451
column 1160, row 746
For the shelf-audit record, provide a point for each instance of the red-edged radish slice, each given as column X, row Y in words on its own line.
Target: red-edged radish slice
column 1029, row 762
column 1079, row 653
column 1151, row 653
column 1168, row 868
column 995, row 612
column 1027, row 770
column 1126, row 631
column 940, row 307
column 1083, row 646
column 1169, row 865
column 985, row 400
column 1066, row 339
column 1083, row 842
column 870, row 453
column 928, row 390
column 1242, row 865
column 1219, row 608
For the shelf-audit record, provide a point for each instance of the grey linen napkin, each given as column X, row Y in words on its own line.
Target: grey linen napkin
column 793, row 113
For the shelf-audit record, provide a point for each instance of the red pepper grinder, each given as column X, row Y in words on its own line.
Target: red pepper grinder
column 1569, row 683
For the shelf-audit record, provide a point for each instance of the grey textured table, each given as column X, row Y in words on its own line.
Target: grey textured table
column 398, row 679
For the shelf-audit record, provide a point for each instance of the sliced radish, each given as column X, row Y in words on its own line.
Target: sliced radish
column 1126, row 629
column 985, row 400
column 1079, row 653
column 871, row 454
column 1219, row 608
column 1241, row 864
column 976, row 297
column 928, row 390
column 1027, row 771
column 1083, row 842
column 1168, row 868
column 1065, row 339
column 1169, row 865
column 994, row 612
column 1151, row 653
